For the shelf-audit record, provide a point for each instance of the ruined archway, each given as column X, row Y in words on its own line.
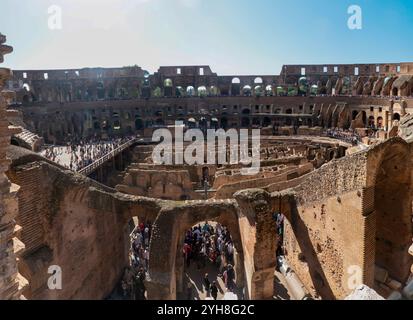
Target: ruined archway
column 167, row 238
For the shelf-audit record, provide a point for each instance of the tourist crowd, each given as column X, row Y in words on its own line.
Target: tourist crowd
column 133, row 282
column 79, row 154
column 349, row 136
column 208, row 245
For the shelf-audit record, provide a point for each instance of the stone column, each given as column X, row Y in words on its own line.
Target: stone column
column 11, row 282
column 390, row 117
column 256, row 211
column 386, row 120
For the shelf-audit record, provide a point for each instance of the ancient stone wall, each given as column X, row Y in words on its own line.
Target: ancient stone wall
column 54, row 121
column 11, row 282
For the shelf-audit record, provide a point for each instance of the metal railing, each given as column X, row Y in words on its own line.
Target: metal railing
column 96, row 164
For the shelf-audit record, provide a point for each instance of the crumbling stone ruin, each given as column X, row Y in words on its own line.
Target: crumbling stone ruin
column 347, row 206
column 12, row 282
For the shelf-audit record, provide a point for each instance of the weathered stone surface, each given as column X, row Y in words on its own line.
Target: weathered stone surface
column 11, row 282
column 406, row 128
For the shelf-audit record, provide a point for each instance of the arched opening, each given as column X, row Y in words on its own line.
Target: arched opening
column 258, row 80
column 268, row 90
column 179, row 91
column 380, row 123
column 256, row 122
column 354, row 114
column 302, row 86
column 346, row 86
column 246, row 111
column 371, row 122
column 280, row 91
column 138, row 124
column 209, row 264
column 396, row 117
column 116, row 124
column 26, row 87
column 105, row 125
column 246, row 91
column 314, row 90
column 393, row 213
column 395, row 92
column 266, row 122
column 202, row 91
column 100, row 91
column 213, row 91
column 122, row 93
column 133, row 281
column 157, row 92
column 292, row 91
column 258, row 91
column 146, row 92
column 192, row 123
column 235, row 87
column 190, row 91
column 224, row 123
column 168, row 88
column 203, row 123
column 245, row 122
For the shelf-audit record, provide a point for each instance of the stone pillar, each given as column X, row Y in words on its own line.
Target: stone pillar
column 11, row 282
column 403, row 104
column 390, row 117
column 386, row 120
column 256, row 212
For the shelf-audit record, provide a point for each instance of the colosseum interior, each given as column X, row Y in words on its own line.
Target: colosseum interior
column 335, row 152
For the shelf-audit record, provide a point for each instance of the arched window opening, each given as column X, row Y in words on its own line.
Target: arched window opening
column 202, row 91
column 190, row 91
column 258, row 80
column 235, row 87
column 258, row 91
column 246, row 90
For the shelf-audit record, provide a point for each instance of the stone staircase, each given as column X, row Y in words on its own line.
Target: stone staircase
column 29, row 140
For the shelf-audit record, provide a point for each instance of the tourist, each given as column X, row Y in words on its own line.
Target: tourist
column 214, row 290
column 230, row 277
column 189, row 291
column 146, row 258
column 207, row 283
column 78, row 154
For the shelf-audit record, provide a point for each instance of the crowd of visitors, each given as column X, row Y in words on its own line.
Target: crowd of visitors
column 279, row 220
column 133, row 282
column 78, row 154
column 204, row 245
column 349, row 136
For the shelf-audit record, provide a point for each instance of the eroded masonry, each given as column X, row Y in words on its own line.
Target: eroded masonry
column 336, row 162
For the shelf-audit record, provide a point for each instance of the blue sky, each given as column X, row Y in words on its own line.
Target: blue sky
column 232, row 36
